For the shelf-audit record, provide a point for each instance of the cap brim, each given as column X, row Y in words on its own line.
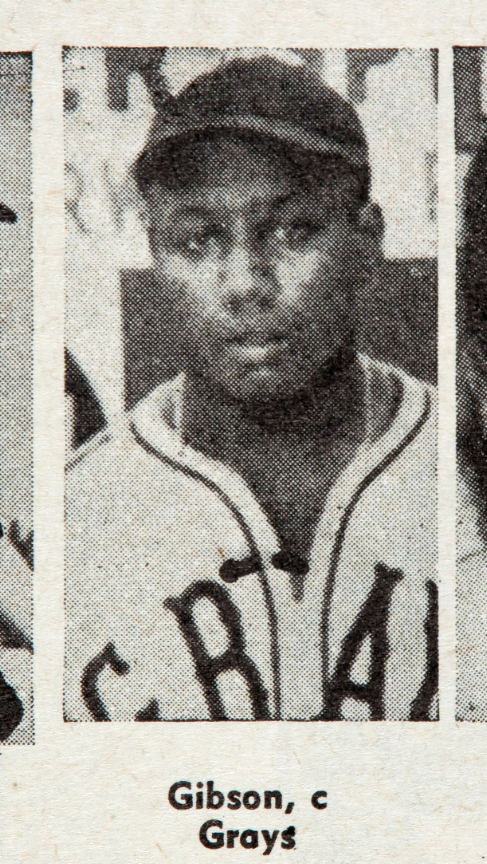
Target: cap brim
column 283, row 131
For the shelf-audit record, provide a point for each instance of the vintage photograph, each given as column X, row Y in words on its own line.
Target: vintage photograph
column 251, row 327
column 16, row 398
column 470, row 75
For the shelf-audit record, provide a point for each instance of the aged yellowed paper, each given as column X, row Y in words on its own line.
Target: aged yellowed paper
column 244, row 271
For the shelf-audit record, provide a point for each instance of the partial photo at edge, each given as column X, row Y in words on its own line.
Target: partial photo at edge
column 470, row 79
column 16, row 398
column 251, row 336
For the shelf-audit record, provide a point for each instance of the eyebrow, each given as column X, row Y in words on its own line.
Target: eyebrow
column 192, row 210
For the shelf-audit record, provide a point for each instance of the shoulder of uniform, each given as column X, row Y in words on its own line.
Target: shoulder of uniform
column 152, row 408
column 118, row 431
column 396, row 375
column 383, row 367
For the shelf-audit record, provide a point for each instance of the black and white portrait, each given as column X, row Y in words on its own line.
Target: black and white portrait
column 250, row 384
column 471, row 154
column 16, row 330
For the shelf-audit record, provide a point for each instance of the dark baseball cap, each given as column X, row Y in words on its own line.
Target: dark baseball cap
column 267, row 97
column 6, row 214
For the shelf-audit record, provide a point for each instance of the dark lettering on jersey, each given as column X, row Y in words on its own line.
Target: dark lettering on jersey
column 23, row 544
column 422, row 704
column 150, row 712
column 12, row 636
column 11, row 709
column 89, row 685
column 370, row 623
column 91, row 674
column 208, row 667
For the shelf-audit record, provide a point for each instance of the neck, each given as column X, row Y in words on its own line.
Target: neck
column 217, row 423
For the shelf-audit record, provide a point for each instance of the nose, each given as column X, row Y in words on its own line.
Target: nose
column 247, row 277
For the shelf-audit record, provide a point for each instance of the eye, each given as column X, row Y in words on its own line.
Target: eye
column 201, row 241
column 295, row 234
column 195, row 243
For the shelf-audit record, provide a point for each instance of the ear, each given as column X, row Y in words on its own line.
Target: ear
column 371, row 222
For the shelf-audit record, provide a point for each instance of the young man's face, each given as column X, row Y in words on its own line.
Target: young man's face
column 260, row 272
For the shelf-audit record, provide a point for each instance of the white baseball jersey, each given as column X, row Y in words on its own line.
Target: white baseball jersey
column 16, row 702
column 181, row 606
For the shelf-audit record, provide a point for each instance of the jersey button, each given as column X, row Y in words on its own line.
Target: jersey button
column 231, row 570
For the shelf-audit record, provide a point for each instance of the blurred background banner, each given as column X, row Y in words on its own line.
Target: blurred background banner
column 115, row 324
column 16, row 326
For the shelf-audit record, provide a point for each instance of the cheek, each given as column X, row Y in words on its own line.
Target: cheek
column 311, row 279
column 191, row 285
column 296, row 271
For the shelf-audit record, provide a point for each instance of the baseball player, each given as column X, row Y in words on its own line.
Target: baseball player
column 16, row 562
column 256, row 539
column 472, row 452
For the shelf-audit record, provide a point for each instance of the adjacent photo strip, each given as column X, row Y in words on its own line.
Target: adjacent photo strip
column 470, row 78
column 16, row 400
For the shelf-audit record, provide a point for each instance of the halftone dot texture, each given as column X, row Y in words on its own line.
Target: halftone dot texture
column 16, row 399
column 191, row 593
column 470, row 71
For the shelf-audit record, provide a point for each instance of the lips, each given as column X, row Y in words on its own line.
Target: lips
column 262, row 332
column 257, row 346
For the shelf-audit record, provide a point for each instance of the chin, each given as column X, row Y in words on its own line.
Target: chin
column 263, row 385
